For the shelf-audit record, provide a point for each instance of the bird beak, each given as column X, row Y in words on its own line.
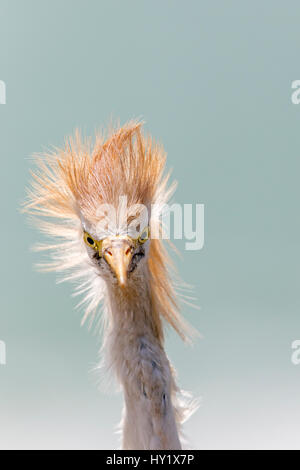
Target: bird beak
column 118, row 255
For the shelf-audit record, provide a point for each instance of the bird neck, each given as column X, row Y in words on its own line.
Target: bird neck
column 132, row 321
column 134, row 349
column 132, row 308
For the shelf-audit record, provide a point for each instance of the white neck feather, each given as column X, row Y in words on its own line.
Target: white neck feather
column 137, row 356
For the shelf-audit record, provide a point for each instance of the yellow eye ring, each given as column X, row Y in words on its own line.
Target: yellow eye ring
column 89, row 240
column 144, row 235
column 95, row 244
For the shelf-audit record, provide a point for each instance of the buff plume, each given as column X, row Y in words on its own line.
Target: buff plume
column 69, row 184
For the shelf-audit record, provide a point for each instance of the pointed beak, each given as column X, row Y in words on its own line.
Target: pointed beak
column 118, row 255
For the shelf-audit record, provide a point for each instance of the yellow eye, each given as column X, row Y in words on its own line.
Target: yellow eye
column 144, row 235
column 89, row 240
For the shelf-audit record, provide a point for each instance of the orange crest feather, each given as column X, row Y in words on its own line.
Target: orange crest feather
column 72, row 182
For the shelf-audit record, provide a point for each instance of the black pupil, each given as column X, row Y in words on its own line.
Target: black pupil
column 90, row 241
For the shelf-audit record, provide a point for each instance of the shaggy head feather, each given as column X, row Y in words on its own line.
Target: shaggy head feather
column 68, row 186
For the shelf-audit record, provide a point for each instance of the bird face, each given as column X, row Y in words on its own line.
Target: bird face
column 118, row 257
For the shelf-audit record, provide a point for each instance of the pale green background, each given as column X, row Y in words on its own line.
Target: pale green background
column 212, row 79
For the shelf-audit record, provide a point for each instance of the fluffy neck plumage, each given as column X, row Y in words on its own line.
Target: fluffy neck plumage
column 132, row 317
column 137, row 356
column 133, row 306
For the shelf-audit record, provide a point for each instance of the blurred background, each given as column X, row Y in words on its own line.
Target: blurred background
column 213, row 81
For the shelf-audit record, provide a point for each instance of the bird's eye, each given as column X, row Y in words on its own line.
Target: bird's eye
column 89, row 240
column 144, row 235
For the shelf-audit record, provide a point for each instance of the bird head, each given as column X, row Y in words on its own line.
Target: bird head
column 76, row 193
column 118, row 257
